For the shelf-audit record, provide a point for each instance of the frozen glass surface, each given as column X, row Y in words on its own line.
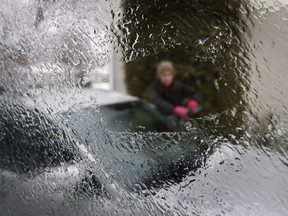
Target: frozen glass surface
column 72, row 144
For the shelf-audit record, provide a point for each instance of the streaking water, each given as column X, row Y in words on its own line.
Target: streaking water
column 64, row 43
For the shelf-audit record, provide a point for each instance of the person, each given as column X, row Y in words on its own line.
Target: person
column 171, row 96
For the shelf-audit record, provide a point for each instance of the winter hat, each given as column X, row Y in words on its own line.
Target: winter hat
column 164, row 66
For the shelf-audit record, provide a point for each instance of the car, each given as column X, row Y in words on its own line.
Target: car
column 146, row 142
column 73, row 142
column 123, row 113
column 41, row 163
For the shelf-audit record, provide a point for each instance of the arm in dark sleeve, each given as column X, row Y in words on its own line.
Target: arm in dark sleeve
column 163, row 105
column 189, row 91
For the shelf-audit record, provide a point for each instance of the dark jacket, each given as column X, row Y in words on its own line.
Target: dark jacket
column 165, row 98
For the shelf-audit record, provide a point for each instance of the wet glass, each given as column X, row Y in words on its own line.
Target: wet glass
column 64, row 150
column 137, row 157
column 133, row 116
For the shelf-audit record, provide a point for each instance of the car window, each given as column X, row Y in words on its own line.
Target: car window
column 31, row 142
column 133, row 155
column 227, row 71
column 133, row 116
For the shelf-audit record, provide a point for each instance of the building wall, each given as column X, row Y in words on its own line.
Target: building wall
column 267, row 42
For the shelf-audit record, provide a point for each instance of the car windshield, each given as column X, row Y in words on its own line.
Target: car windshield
column 220, row 66
column 133, row 116
column 131, row 156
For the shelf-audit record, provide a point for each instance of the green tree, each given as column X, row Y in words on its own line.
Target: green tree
column 202, row 38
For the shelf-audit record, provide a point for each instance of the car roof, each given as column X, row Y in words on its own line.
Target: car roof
column 106, row 97
column 62, row 100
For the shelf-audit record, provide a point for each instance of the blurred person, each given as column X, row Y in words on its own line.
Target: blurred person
column 171, row 96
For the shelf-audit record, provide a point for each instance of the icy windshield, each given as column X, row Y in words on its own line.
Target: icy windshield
column 134, row 116
column 135, row 156
column 180, row 107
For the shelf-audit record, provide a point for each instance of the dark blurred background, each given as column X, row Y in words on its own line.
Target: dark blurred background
column 202, row 38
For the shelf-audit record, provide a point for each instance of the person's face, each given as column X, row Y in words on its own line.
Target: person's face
column 166, row 78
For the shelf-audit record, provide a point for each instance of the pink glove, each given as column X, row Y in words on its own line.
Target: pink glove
column 180, row 111
column 193, row 105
